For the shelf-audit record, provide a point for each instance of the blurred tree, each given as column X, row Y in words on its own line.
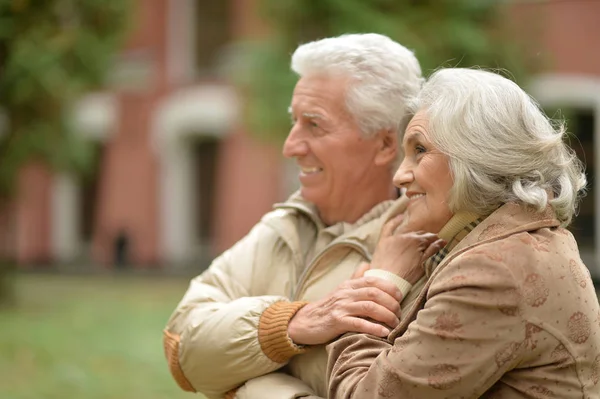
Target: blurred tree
column 51, row 52
column 441, row 32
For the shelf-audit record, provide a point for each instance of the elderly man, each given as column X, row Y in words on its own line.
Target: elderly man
column 254, row 324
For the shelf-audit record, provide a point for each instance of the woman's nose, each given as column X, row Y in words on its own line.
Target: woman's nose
column 404, row 175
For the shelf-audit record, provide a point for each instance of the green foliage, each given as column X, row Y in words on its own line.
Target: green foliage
column 88, row 337
column 51, row 52
column 441, row 32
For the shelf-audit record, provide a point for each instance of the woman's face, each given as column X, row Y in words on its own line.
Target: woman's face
column 426, row 178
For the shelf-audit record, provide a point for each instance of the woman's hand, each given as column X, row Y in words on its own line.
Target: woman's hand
column 402, row 252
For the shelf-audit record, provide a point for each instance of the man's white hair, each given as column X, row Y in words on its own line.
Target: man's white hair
column 384, row 76
column 502, row 147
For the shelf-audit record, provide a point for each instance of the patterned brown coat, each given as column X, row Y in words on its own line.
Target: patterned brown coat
column 510, row 313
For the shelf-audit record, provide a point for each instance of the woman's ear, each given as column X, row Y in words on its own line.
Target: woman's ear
column 388, row 148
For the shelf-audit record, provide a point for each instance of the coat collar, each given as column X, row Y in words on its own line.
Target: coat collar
column 507, row 220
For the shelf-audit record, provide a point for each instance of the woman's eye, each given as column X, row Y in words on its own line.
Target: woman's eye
column 419, row 149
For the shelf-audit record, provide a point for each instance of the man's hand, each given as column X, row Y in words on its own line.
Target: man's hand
column 349, row 308
column 402, row 252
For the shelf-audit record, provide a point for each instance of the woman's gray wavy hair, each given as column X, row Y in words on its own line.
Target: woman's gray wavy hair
column 502, row 147
column 384, row 75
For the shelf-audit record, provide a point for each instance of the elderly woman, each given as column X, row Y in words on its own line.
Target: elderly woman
column 509, row 309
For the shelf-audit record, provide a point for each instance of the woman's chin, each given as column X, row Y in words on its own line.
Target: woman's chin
column 422, row 224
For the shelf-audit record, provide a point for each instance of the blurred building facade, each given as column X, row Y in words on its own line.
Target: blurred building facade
column 180, row 179
column 564, row 34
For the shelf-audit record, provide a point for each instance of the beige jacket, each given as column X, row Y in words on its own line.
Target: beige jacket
column 231, row 325
column 510, row 313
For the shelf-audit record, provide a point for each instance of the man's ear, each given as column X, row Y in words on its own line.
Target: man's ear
column 387, row 152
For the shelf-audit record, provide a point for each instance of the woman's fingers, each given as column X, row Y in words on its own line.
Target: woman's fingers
column 391, row 225
column 360, row 270
column 433, row 248
column 427, row 239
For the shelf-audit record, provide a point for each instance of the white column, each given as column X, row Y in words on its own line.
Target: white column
column 201, row 110
column 93, row 116
column 65, row 239
column 176, row 202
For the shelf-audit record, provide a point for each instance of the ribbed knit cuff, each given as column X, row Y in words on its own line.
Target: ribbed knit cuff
column 273, row 331
column 171, row 346
column 403, row 285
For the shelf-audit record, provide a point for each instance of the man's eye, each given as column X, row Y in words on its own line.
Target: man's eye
column 314, row 124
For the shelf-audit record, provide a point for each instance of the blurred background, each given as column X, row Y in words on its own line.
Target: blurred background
column 139, row 139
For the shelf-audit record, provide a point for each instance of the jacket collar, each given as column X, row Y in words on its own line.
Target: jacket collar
column 296, row 202
column 361, row 230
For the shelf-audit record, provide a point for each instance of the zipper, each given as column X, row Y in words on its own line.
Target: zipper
column 297, row 259
column 308, row 270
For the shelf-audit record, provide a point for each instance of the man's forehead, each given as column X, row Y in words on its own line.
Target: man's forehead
column 315, row 91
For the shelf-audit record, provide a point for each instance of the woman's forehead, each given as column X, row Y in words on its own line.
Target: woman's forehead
column 413, row 135
column 416, row 129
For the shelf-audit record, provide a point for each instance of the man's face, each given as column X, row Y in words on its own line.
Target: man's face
column 336, row 162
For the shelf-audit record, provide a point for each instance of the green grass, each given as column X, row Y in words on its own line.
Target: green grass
column 88, row 337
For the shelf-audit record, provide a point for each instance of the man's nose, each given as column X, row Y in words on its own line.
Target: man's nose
column 295, row 145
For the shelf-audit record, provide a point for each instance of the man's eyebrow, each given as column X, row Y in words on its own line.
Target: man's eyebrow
column 313, row 115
